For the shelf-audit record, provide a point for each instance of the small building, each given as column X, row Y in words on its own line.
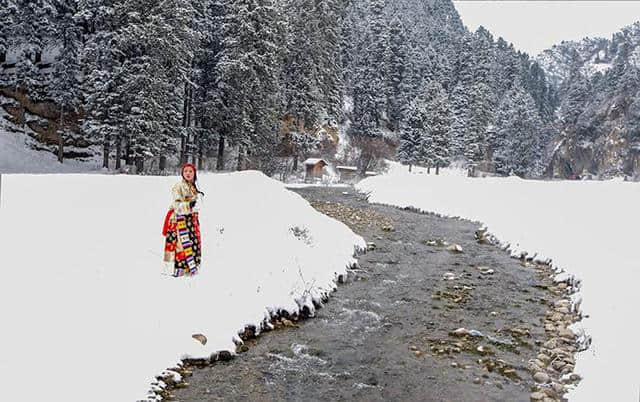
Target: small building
column 347, row 173
column 314, row 168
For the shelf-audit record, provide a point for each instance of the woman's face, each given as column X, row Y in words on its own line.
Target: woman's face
column 188, row 173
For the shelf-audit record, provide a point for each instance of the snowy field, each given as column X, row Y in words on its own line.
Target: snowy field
column 589, row 229
column 86, row 315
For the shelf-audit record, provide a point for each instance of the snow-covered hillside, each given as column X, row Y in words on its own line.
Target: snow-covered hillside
column 17, row 156
column 86, row 314
column 588, row 229
column 590, row 55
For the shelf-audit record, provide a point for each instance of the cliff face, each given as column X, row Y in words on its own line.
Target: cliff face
column 598, row 121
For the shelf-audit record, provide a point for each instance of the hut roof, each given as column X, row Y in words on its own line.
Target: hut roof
column 347, row 168
column 314, row 161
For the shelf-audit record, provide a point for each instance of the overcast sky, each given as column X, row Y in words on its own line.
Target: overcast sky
column 533, row 26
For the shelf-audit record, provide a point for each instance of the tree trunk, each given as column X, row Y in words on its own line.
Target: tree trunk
column 128, row 158
column 183, row 139
column 437, row 169
column 200, row 156
column 61, row 138
column 106, row 150
column 118, row 152
column 240, row 158
column 410, row 168
column 163, row 163
column 139, row 164
column 220, row 160
column 295, row 163
column 428, row 169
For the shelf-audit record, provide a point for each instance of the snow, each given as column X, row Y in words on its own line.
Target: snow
column 17, row 157
column 313, row 161
column 589, row 229
column 86, row 314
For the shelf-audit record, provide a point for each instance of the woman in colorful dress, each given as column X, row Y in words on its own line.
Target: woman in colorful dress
column 182, row 249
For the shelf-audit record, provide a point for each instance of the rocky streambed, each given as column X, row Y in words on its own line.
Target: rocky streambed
column 434, row 311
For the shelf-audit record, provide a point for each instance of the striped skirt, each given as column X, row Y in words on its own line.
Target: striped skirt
column 183, row 245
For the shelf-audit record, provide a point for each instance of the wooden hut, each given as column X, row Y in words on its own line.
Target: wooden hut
column 314, row 167
column 347, row 173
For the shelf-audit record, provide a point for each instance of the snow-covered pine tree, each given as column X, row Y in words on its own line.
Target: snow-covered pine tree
column 330, row 15
column 301, row 71
column 157, row 42
column 65, row 89
column 411, row 137
column 397, row 83
column 516, row 144
column 250, row 70
column 9, row 39
column 438, row 125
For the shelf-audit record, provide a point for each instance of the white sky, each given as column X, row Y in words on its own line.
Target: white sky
column 533, row 26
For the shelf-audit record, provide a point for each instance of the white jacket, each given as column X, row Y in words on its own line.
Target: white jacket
column 182, row 193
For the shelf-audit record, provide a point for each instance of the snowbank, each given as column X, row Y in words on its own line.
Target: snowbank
column 86, row 314
column 589, row 229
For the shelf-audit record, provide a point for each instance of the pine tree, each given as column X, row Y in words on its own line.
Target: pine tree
column 438, row 126
column 250, row 70
column 516, row 144
column 397, row 82
column 66, row 88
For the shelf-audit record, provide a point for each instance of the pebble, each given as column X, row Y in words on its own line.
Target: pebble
column 449, row 276
column 558, row 365
column 537, row 396
column 461, row 332
column 543, row 358
column 455, row 248
column 566, row 333
column 551, row 344
column 454, row 364
column 541, row 377
column 477, row 380
column 539, row 363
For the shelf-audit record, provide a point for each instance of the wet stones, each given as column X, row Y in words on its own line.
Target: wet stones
column 541, row 377
column 355, row 218
column 454, row 248
column 456, row 294
column 555, row 362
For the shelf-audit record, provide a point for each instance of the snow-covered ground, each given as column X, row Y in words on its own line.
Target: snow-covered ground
column 589, row 229
column 85, row 313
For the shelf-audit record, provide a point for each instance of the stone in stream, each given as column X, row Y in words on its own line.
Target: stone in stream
column 541, row 377
column 200, row 338
column 538, row 396
column 455, row 248
column 449, row 276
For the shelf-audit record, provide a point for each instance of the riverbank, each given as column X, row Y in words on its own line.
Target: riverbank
column 418, row 320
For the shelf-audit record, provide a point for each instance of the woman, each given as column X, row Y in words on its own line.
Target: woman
column 182, row 250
